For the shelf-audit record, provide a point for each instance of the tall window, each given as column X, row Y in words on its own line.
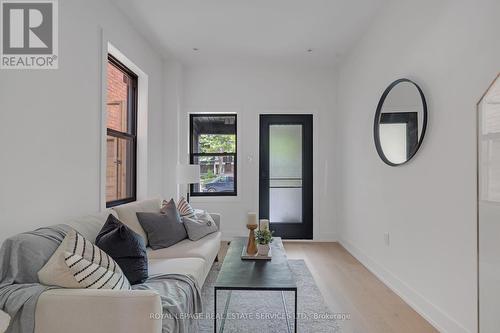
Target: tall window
column 213, row 147
column 121, row 140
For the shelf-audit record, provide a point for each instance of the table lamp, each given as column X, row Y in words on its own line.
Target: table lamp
column 188, row 174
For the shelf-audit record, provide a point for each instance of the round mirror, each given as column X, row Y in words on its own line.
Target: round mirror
column 400, row 122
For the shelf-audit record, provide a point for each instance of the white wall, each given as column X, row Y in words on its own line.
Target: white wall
column 50, row 121
column 50, row 139
column 250, row 91
column 429, row 205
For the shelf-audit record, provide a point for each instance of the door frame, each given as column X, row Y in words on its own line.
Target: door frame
column 302, row 230
column 411, row 121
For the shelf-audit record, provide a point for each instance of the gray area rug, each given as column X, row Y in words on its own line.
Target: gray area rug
column 263, row 311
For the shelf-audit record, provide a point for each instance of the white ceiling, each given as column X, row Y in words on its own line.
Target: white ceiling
column 252, row 31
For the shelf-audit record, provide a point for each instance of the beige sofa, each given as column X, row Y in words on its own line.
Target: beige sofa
column 108, row 311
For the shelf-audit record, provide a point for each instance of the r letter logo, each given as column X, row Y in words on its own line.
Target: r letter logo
column 29, row 37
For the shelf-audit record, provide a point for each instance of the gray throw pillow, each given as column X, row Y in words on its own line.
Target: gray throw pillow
column 200, row 226
column 163, row 229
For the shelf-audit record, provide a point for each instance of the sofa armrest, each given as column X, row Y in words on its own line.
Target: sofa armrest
column 98, row 311
column 216, row 218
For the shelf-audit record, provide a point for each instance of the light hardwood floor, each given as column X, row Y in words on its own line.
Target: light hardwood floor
column 348, row 287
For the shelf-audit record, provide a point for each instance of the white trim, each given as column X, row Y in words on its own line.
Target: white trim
column 308, row 241
column 103, row 121
column 142, row 120
column 432, row 313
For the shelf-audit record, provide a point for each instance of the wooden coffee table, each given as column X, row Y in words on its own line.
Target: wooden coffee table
column 256, row 275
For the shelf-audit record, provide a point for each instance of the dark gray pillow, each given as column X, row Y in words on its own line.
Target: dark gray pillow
column 163, row 229
column 200, row 226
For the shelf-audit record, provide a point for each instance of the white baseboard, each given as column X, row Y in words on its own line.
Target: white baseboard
column 434, row 315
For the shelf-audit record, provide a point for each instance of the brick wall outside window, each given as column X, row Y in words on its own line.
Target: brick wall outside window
column 116, row 171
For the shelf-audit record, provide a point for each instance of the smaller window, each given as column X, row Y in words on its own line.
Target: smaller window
column 213, row 147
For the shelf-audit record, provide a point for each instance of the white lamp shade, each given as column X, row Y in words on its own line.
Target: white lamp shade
column 188, row 173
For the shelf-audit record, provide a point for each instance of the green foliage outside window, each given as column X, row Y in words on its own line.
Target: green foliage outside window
column 217, row 143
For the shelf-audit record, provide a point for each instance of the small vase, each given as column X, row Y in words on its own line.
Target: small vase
column 263, row 249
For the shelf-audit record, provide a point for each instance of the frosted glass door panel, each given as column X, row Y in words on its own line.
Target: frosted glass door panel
column 285, row 169
column 286, row 205
column 285, row 151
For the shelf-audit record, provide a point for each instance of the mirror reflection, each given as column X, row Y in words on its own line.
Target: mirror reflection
column 400, row 122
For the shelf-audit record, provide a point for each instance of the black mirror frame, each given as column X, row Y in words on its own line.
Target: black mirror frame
column 376, row 132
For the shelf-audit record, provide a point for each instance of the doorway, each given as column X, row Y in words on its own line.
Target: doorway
column 286, row 174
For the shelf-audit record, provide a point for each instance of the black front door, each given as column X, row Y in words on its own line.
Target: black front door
column 286, row 174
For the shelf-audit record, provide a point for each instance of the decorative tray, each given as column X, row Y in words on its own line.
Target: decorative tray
column 246, row 256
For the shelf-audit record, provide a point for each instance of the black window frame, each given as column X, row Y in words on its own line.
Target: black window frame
column 130, row 137
column 192, row 154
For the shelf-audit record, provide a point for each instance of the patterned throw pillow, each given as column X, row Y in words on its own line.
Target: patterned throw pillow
column 184, row 208
column 97, row 271
column 77, row 263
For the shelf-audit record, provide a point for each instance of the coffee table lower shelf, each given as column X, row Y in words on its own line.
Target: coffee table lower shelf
column 221, row 330
column 255, row 275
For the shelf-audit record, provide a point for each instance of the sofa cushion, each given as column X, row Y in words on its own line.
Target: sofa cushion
column 199, row 226
column 195, row 267
column 126, row 247
column 127, row 213
column 163, row 229
column 90, row 225
column 205, row 248
column 77, row 263
column 184, row 208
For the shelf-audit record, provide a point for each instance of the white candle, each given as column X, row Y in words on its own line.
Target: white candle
column 264, row 224
column 252, row 219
